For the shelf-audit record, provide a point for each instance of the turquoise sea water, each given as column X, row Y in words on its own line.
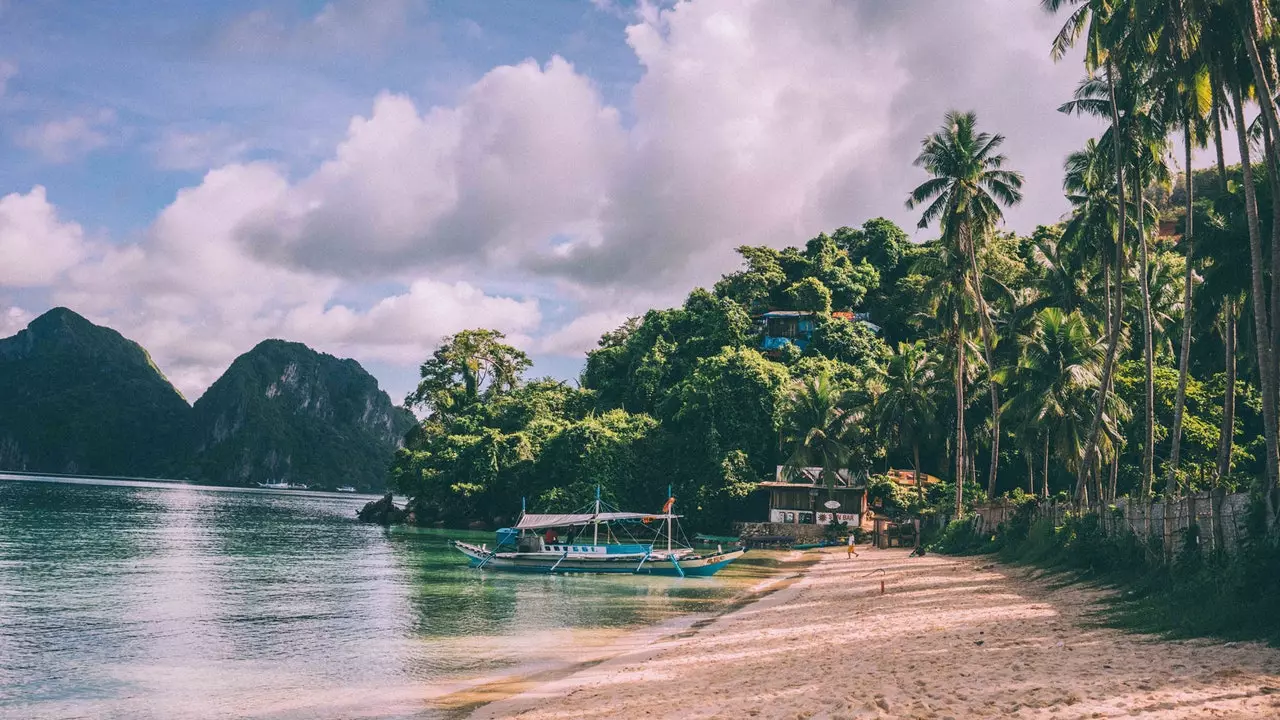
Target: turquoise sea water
column 158, row 600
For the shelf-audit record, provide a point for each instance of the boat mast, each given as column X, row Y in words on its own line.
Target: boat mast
column 595, row 526
column 670, row 507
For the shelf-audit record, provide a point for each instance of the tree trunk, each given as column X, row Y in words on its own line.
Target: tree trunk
column 1031, row 472
column 960, row 445
column 987, row 349
column 1217, row 136
column 915, row 453
column 1226, row 435
column 1184, row 352
column 1148, row 355
column 1115, row 475
column 1262, row 330
column 1108, row 365
column 1044, row 480
column 1273, row 183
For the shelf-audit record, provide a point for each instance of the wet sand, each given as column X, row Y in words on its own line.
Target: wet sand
column 949, row 638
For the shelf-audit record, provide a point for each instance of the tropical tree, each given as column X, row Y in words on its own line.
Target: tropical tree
column 1058, row 372
column 818, row 430
column 466, row 367
column 906, row 410
column 965, row 194
column 1101, row 23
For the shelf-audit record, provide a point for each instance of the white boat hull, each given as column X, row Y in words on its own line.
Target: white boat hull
column 678, row 564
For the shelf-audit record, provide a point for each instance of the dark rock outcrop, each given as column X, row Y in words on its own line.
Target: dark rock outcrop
column 382, row 512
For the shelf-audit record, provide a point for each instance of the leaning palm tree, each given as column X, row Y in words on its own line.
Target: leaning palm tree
column 906, row 411
column 818, row 430
column 968, row 187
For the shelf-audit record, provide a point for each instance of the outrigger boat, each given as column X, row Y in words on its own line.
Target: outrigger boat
column 525, row 548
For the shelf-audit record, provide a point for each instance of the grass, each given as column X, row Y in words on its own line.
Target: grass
column 1232, row 596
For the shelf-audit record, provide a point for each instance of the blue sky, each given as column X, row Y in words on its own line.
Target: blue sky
column 368, row 176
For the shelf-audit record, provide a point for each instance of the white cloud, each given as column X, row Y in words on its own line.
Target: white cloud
column 196, row 298
column 198, row 149
column 754, row 122
column 66, row 139
column 13, row 319
column 35, row 245
column 580, row 334
column 525, row 157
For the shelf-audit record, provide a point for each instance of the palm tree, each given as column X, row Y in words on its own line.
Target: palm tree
column 968, row 187
column 1142, row 135
column 1195, row 93
column 818, row 430
column 906, row 411
column 1106, row 42
column 1262, row 330
column 948, row 313
column 1058, row 372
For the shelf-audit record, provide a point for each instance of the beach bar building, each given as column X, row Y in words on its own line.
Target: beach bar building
column 803, row 499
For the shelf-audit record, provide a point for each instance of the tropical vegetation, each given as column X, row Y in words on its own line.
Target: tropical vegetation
column 1129, row 348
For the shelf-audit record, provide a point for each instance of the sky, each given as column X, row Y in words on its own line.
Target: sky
column 370, row 176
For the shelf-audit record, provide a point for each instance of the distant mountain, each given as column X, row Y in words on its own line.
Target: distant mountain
column 284, row 412
column 80, row 398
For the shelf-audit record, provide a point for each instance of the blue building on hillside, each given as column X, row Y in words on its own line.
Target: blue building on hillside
column 779, row 328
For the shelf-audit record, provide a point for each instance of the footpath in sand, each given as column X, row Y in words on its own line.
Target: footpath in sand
column 950, row 638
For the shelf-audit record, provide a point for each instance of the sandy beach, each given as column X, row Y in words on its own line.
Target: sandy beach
column 949, row 638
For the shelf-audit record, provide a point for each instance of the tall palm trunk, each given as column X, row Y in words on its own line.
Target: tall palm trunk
column 1044, row 479
column 1227, row 433
column 1273, row 184
column 987, row 348
column 1113, row 339
column 1031, row 471
column 1184, row 352
column 915, row 454
column 960, row 444
column 1267, row 371
column 1218, row 109
column 1262, row 332
column 1148, row 355
column 1115, row 475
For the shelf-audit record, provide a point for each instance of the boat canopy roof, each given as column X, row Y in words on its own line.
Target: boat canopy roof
column 536, row 521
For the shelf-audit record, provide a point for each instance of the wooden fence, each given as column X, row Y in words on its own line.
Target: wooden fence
column 1220, row 517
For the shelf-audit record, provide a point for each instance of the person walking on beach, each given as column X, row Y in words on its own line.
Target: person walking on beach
column 853, row 549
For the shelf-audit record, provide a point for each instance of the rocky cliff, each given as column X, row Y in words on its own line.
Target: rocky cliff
column 284, row 412
column 80, row 398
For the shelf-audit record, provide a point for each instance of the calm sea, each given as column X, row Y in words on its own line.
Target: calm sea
column 157, row 600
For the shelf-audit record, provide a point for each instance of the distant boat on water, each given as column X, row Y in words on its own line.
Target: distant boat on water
column 346, row 488
column 525, row 548
column 282, row 486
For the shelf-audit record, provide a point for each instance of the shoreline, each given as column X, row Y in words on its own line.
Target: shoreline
column 949, row 638
column 473, row 698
